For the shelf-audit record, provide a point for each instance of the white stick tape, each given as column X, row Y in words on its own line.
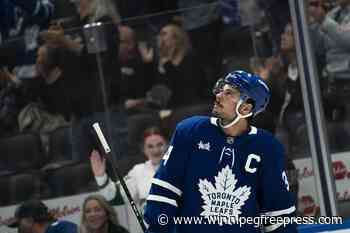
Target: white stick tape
column 101, row 137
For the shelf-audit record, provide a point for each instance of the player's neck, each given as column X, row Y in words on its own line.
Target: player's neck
column 237, row 129
column 42, row 228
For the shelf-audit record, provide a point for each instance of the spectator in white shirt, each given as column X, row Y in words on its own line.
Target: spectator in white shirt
column 139, row 178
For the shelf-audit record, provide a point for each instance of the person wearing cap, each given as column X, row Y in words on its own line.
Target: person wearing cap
column 33, row 216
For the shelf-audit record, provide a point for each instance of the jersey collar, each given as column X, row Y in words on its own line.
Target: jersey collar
column 214, row 121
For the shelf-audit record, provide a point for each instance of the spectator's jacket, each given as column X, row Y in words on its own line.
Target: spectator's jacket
column 20, row 24
column 112, row 228
column 333, row 38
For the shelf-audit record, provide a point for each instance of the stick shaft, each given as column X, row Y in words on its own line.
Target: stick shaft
column 107, row 151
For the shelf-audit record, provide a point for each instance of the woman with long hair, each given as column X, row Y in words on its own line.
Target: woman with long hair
column 176, row 65
column 98, row 216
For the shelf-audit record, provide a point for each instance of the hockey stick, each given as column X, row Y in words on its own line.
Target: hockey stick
column 107, row 151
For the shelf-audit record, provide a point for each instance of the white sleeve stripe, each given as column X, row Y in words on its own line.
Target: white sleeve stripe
column 162, row 199
column 167, row 185
column 280, row 212
column 146, row 224
column 272, row 227
column 167, row 154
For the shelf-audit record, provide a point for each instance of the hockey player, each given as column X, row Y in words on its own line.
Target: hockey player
column 222, row 167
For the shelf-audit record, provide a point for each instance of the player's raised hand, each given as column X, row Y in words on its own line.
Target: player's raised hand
column 98, row 163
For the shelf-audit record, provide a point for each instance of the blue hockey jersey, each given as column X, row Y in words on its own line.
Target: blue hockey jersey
column 207, row 173
column 62, row 227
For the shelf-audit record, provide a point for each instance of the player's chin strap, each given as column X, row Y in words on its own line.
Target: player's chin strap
column 237, row 118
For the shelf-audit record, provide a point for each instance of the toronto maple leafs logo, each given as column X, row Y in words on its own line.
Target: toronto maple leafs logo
column 223, row 199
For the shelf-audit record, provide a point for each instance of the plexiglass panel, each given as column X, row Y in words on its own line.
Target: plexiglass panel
column 139, row 66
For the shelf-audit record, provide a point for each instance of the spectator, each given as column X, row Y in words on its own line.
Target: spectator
column 107, row 46
column 50, row 91
column 278, row 15
column 54, row 87
column 136, row 80
column 20, row 25
column 145, row 16
column 315, row 11
column 99, row 217
column 292, row 112
column 177, row 67
column 139, row 178
column 33, row 217
column 12, row 100
column 331, row 36
column 270, row 70
column 95, row 48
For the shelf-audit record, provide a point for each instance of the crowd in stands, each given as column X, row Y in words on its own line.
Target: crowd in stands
column 129, row 65
column 97, row 216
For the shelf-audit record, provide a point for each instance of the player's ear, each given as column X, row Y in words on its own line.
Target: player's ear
column 246, row 108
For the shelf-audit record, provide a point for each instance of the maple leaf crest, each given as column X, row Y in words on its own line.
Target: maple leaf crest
column 223, row 199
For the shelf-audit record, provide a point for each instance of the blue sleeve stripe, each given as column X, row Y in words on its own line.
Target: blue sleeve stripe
column 167, row 186
column 280, row 212
column 272, row 227
column 162, row 199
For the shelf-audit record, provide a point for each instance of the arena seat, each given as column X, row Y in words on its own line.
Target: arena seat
column 70, row 179
column 60, row 146
column 22, row 152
